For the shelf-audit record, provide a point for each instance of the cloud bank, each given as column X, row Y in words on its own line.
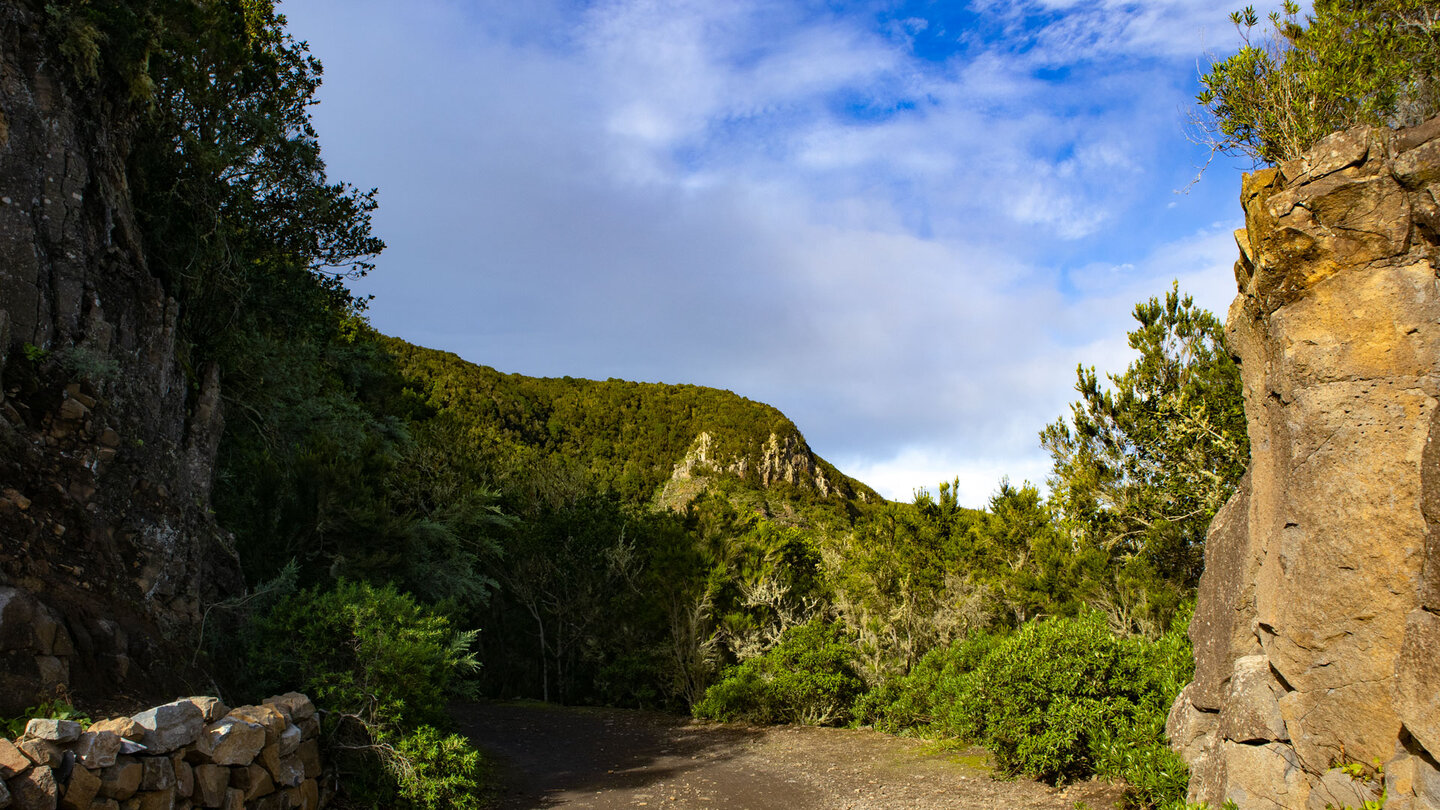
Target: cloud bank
column 902, row 225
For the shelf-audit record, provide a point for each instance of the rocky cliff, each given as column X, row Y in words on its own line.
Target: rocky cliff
column 1317, row 638
column 108, row 553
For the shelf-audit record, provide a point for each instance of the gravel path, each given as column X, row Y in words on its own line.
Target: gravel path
column 608, row 758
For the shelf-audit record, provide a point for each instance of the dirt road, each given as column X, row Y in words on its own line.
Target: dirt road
column 607, row 758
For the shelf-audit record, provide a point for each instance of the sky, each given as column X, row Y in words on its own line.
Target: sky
column 904, row 223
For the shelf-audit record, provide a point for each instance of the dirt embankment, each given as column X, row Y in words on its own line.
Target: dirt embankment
column 607, row 758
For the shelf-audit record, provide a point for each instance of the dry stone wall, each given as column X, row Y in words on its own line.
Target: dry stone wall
column 191, row 753
column 1317, row 639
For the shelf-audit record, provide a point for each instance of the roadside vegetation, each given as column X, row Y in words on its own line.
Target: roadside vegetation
column 438, row 530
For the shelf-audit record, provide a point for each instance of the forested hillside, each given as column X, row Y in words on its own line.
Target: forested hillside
column 434, row 529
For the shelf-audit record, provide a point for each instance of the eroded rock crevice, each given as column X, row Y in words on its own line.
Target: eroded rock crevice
column 1315, row 634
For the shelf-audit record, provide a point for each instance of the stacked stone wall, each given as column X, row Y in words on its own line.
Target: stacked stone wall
column 1317, row 631
column 192, row 753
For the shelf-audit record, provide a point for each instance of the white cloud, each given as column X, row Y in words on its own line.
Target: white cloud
column 682, row 191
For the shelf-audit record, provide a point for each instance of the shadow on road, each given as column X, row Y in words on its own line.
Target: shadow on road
column 551, row 754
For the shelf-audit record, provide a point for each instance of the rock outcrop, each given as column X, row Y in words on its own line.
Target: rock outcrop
column 1317, row 633
column 107, row 444
column 781, row 460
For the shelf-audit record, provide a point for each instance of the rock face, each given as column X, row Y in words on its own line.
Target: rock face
column 1317, row 637
column 782, row 459
column 106, row 443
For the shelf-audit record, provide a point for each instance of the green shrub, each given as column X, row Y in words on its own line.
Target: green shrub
column 808, row 677
column 57, row 708
column 1041, row 699
column 379, row 664
column 926, row 698
column 1349, row 62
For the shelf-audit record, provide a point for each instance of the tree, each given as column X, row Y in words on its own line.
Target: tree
column 1141, row 468
column 1349, row 62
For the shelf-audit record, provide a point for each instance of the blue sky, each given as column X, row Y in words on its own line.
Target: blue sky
column 902, row 223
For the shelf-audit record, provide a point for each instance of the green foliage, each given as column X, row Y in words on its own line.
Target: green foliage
column 809, row 677
column 1348, row 62
column 57, row 708
column 612, row 435
column 927, row 699
column 1141, row 468
column 438, row 770
column 381, row 665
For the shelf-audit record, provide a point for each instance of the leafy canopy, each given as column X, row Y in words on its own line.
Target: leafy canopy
column 1141, row 468
column 1349, row 62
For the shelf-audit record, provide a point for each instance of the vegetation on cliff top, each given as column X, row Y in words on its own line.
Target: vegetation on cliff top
column 1346, row 63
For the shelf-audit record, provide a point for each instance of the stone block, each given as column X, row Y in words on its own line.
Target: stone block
column 104, row 804
column 1188, row 727
column 309, row 728
column 309, row 795
column 174, row 725
column 34, row 790
column 1252, row 708
column 253, row 779
column 97, row 749
column 154, row 799
column 290, row 740
column 4, row 794
column 184, row 776
column 1427, row 782
column 12, row 761
column 211, row 782
column 123, row 726
column 268, row 717
column 57, row 731
column 1418, row 678
column 210, row 708
column 157, row 773
column 81, row 790
column 121, row 780
column 1337, row 789
column 1264, row 777
column 234, row 799
column 309, row 754
column 41, row 752
column 231, row 741
column 294, row 705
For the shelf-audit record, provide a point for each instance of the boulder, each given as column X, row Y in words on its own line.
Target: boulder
column 12, row 761
column 296, row 706
column 171, row 726
column 231, row 741
column 58, row 731
column 97, row 749
column 121, row 726
column 156, row 773
column 211, row 782
column 34, row 789
column 81, row 790
column 121, row 780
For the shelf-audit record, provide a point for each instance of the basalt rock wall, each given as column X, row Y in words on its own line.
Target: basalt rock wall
column 1317, row 633
column 107, row 444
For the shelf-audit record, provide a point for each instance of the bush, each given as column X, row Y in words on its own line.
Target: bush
column 1349, row 62
column 926, row 698
column 1041, row 699
column 380, row 665
column 808, row 677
